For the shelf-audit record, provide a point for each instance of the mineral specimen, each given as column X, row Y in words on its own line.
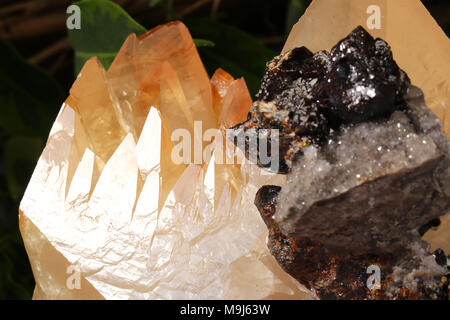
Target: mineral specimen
column 419, row 45
column 368, row 172
column 108, row 214
column 307, row 96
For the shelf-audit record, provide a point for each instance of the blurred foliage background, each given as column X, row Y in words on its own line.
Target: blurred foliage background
column 39, row 60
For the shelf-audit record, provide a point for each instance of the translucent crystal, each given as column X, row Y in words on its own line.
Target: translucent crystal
column 107, row 203
column 178, row 233
column 233, row 99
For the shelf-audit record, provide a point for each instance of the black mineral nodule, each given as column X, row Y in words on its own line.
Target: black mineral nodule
column 363, row 81
column 308, row 96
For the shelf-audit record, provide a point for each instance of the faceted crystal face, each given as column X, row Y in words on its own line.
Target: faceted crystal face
column 107, row 212
column 231, row 99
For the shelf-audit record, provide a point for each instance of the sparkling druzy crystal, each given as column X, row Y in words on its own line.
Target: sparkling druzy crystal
column 108, row 214
column 362, row 199
column 368, row 172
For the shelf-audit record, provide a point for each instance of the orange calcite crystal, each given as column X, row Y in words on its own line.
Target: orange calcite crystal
column 107, row 212
column 220, row 83
column 231, row 99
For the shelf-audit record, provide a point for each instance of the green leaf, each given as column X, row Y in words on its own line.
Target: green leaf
column 29, row 97
column 170, row 12
column 235, row 51
column 104, row 28
column 11, row 120
column 20, row 156
column 154, row 3
column 296, row 9
column 29, row 102
column 203, row 43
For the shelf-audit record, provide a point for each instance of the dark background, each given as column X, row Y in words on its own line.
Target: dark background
column 37, row 70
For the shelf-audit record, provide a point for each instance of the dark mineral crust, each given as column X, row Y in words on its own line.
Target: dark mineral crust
column 307, row 96
column 367, row 173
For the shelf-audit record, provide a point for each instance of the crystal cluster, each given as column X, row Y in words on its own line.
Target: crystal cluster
column 419, row 45
column 368, row 166
column 306, row 96
column 108, row 214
